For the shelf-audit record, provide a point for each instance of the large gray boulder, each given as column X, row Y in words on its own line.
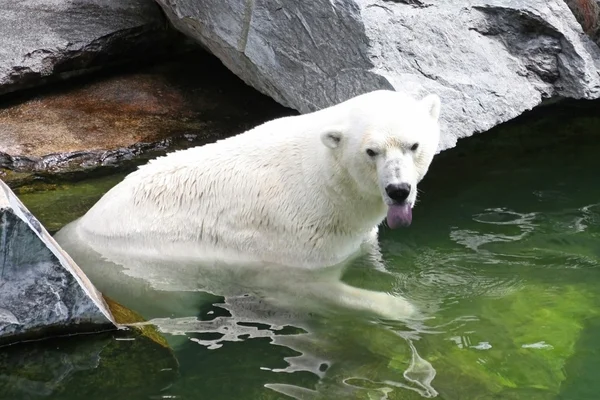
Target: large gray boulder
column 42, row 291
column 42, row 40
column 490, row 60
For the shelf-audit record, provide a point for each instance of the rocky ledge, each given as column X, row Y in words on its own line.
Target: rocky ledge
column 46, row 40
column 490, row 60
column 121, row 118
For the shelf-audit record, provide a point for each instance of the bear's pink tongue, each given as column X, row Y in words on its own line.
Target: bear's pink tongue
column 399, row 215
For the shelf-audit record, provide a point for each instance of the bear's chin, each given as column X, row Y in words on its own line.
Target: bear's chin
column 399, row 215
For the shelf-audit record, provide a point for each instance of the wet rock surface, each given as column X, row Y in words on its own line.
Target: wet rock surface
column 42, row 291
column 120, row 119
column 46, row 40
column 489, row 60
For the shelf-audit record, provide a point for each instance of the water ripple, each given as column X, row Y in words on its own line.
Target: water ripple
column 456, row 275
column 475, row 240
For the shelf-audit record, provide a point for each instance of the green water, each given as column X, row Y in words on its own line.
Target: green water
column 503, row 260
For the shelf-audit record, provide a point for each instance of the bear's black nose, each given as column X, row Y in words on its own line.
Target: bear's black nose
column 398, row 192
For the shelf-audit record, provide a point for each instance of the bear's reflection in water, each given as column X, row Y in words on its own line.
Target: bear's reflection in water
column 119, row 268
column 172, row 292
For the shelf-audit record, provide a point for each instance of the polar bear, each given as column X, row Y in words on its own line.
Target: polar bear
column 306, row 190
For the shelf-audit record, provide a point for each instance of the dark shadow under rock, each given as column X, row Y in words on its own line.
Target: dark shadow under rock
column 119, row 120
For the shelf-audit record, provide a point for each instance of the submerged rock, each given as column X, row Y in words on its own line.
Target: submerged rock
column 122, row 118
column 42, row 40
column 42, row 291
column 489, row 60
column 123, row 365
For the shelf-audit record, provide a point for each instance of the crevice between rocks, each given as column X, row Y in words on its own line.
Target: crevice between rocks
column 587, row 13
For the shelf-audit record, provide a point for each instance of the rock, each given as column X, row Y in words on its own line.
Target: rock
column 121, row 118
column 42, row 291
column 44, row 40
column 489, row 60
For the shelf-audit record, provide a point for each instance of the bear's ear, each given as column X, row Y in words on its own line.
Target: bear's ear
column 432, row 104
column 332, row 138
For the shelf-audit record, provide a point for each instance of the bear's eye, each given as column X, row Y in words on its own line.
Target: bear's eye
column 371, row 153
column 414, row 147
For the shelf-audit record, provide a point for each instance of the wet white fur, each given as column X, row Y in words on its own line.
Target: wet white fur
column 299, row 190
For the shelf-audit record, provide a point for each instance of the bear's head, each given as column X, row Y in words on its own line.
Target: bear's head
column 386, row 140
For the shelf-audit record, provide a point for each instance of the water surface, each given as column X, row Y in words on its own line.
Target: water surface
column 502, row 259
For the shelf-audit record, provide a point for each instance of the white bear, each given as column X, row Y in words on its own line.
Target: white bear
column 304, row 190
